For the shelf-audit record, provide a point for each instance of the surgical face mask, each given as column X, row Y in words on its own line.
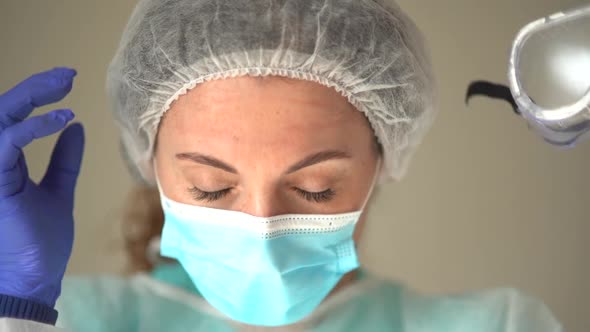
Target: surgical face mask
column 549, row 77
column 267, row 271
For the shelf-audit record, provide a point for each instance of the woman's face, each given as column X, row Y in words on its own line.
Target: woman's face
column 266, row 147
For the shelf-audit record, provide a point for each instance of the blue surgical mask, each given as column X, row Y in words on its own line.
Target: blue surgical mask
column 260, row 271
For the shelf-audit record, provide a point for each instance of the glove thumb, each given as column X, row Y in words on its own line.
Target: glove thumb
column 65, row 163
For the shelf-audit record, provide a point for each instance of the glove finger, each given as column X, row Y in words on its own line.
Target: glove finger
column 11, row 181
column 16, row 137
column 37, row 90
column 65, row 162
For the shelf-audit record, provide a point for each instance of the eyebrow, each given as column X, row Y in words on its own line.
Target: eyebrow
column 312, row 159
column 317, row 158
column 206, row 160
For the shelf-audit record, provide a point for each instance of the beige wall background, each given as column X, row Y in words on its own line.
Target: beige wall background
column 486, row 203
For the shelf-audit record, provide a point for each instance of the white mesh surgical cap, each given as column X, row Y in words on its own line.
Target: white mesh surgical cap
column 368, row 50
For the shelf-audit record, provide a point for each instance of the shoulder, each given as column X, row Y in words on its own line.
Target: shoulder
column 93, row 302
column 99, row 290
column 133, row 303
column 493, row 310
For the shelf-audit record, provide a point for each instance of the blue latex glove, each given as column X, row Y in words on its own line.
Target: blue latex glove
column 36, row 220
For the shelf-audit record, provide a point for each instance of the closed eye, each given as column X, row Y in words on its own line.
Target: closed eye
column 211, row 196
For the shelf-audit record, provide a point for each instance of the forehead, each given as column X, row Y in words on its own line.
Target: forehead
column 269, row 111
column 261, row 93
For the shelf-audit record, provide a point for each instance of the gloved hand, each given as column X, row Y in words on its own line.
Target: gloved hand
column 36, row 220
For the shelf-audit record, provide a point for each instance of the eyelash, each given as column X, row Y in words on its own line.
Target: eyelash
column 318, row 197
column 210, row 196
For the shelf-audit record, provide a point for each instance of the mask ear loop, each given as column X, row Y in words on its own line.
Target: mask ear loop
column 373, row 182
column 153, row 248
column 154, row 164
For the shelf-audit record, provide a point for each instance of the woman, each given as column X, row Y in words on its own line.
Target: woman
column 265, row 126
